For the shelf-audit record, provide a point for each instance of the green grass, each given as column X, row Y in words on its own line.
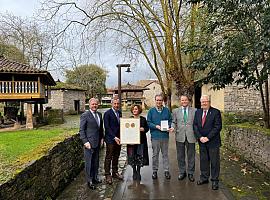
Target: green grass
column 18, row 148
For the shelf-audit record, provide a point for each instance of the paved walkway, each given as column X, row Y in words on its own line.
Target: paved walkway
column 147, row 188
column 166, row 189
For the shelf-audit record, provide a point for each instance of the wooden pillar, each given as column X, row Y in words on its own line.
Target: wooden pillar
column 41, row 111
column 29, row 117
column 35, row 109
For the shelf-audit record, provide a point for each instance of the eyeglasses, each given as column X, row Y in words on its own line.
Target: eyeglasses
column 158, row 100
column 204, row 101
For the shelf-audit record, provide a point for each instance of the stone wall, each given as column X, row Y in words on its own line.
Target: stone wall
column 64, row 99
column 70, row 96
column 242, row 100
column 56, row 101
column 253, row 145
column 49, row 175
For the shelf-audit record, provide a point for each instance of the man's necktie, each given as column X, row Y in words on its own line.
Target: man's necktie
column 204, row 117
column 185, row 116
column 96, row 118
column 117, row 116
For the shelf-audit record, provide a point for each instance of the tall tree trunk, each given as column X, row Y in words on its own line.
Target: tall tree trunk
column 266, row 117
column 267, row 123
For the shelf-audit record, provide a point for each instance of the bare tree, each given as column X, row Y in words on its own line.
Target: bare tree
column 156, row 29
column 37, row 44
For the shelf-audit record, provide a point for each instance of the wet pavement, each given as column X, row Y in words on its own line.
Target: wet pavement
column 78, row 189
column 166, row 189
column 147, row 188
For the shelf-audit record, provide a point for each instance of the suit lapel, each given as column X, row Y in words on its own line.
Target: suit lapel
column 114, row 114
column 208, row 115
column 93, row 117
column 200, row 116
column 189, row 114
column 181, row 116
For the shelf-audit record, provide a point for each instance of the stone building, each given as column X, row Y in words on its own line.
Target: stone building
column 154, row 88
column 233, row 98
column 68, row 97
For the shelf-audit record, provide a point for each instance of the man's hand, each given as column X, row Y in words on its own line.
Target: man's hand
column 141, row 129
column 158, row 127
column 171, row 130
column 117, row 140
column 101, row 142
column 204, row 139
column 87, row 145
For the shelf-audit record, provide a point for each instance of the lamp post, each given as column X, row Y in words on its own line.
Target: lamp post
column 119, row 66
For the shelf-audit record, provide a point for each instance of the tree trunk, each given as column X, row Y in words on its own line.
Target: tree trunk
column 185, row 89
column 266, row 117
column 267, row 124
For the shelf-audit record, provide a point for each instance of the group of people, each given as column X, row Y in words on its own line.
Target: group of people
column 188, row 124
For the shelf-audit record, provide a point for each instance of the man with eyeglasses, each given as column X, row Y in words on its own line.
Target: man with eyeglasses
column 207, row 126
column 159, row 121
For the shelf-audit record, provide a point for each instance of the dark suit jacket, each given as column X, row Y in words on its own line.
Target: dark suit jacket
column 89, row 129
column 111, row 125
column 211, row 128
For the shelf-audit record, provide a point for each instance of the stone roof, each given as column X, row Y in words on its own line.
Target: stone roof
column 145, row 83
column 13, row 67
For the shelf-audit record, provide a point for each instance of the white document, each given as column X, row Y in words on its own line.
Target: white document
column 130, row 131
column 164, row 125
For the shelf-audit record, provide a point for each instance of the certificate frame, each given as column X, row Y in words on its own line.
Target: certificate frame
column 164, row 125
column 130, row 131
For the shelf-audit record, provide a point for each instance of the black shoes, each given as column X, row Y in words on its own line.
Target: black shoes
column 182, row 176
column 201, row 182
column 117, row 176
column 214, row 185
column 167, row 175
column 91, row 185
column 154, row 175
column 96, row 181
column 191, row 178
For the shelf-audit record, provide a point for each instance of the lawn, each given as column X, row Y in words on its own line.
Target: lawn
column 18, row 148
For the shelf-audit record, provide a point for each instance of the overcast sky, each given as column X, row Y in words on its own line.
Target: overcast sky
column 27, row 8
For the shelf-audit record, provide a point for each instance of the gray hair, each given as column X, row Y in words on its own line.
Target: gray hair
column 206, row 96
column 159, row 95
column 93, row 99
column 115, row 98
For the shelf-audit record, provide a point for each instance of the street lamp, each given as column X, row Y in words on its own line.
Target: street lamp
column 119, row 66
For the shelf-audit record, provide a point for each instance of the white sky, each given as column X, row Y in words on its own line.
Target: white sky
column 26, row 8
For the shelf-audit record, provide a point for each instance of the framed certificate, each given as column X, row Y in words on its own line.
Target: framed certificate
column 130, row 131
column 164, row 125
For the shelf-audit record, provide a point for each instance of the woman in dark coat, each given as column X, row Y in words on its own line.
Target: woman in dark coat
column 138, row 153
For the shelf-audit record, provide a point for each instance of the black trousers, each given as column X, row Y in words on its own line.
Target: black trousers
column 209, row 163
column 91, row 157
column 111, row 158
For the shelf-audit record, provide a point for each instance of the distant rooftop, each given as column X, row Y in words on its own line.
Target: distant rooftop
column 145, row 83
column 66, row 86
column 129, row 86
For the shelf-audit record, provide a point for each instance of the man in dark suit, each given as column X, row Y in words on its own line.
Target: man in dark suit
column 112, row 139
column 91, row 134
column 207, row 126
